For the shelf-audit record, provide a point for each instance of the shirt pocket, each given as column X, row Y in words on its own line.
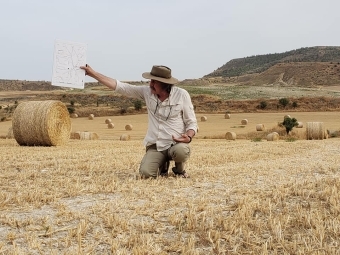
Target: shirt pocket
column 176, row 111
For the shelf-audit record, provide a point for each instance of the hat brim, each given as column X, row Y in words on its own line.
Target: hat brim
column 149, row 76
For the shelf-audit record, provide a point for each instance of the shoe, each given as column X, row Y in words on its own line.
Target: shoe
column 181, row 174
column 163, row 170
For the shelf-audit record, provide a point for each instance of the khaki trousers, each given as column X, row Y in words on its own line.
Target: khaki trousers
column 153, row 160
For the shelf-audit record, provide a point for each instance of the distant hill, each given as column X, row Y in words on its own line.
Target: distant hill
column 260, row 63
column 23, row 85
column 301, row 74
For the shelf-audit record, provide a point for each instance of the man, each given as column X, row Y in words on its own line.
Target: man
column 171, row 119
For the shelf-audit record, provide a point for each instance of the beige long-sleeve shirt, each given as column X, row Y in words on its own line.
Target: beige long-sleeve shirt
column 173, row 116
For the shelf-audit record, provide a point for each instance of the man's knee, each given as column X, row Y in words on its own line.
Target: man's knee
column 180, row 152
column 147, row 171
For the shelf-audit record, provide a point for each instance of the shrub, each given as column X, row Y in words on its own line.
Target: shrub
column 283, row 101
column 138, row 105
column 123, row 110
column 71, row 109
column 263, row 104
column 289, row 124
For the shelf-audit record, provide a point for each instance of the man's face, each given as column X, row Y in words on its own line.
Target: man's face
column 155, row 87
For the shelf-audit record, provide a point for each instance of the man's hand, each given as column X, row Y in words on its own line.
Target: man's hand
column 107, row 81
column 88, row 70
column 183, row 139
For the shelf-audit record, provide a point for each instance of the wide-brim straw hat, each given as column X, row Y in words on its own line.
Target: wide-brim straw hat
column 160, row 73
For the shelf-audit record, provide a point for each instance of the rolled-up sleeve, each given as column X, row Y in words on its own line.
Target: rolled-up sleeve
column 130, row 90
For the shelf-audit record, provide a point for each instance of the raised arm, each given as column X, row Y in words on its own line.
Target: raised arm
column 107, row 81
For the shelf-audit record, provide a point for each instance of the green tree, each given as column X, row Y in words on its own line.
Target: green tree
column 289, row 124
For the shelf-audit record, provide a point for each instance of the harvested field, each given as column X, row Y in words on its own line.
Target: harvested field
column 215, row 127
column 243, row 197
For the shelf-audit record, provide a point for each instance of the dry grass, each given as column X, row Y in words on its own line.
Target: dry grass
column 243, row 197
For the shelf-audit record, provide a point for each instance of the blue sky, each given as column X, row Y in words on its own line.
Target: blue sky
column 125, row 38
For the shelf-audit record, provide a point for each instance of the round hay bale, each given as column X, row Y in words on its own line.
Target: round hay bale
column 274, row 136
column 259, row 127
column 125, row 137
column 286, row 116
column 227, row 116
column 91, row 116
column 74, row 115
column 75, row 135
column 300, row 124
column 128, row 127
column 325, row 135
column 244, row 122
column 41, row 123
column 315, row 131
column 107, row 121
column 10, row 134
column 333, row 133
column 230, row 136
column 204, row 118
column 88, row 135
column 110, row 125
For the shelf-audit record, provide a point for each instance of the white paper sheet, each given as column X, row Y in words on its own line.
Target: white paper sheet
column 68, row 57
